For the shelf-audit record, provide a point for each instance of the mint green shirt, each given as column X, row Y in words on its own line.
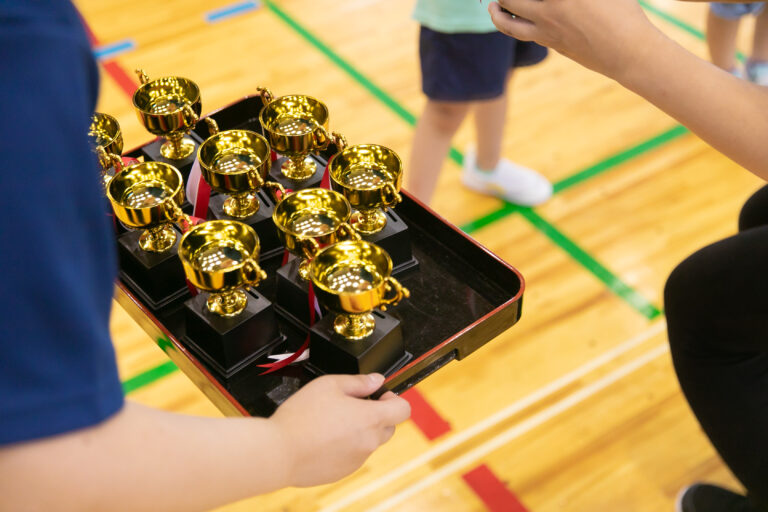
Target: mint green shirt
column 453, row 16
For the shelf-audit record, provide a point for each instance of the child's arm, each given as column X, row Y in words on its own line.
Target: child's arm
column 614, row 37
column 144, row 459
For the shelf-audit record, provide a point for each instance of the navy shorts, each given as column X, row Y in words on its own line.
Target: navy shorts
column 467, row 67
column 736, row 11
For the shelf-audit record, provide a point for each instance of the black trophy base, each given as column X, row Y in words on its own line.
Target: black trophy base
column 293, row 292
column 261, row 221
column 313, row 181
column 230, row 345
column 152, row 152
column 383, row 351
column 157, row 278
column 396, row 240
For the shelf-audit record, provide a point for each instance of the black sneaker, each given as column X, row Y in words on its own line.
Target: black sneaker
column 711, row 498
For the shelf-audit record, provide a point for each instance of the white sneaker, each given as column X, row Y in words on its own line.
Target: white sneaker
column 757, row 72
column 509, row 181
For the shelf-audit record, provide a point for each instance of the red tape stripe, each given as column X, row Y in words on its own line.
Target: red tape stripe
column 429, row 421
column 126, row 82
column 494, row 493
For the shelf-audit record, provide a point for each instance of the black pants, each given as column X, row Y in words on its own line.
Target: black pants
column 716, row 303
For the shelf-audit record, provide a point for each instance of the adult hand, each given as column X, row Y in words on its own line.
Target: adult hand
column 329, row 429
column 603, row 35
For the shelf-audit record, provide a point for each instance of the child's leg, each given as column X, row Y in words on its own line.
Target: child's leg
column 721, row 39
column 490, row 117
column 760, row 44
column 431, row 142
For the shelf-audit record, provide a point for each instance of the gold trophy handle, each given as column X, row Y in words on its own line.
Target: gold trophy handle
column 266, row 94
column 347, row 232
column 143, row 78
column 255, row 176
column 322, row 138
column 213, row 126
column 390, row 196
column 175, row 214
column 108, row 160
column 274, row 188
column 392, row 285
column 190, row 117
column 309, row 247
column 253, row 273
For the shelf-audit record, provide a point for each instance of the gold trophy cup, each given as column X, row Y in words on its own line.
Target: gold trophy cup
column 235, row 162
column 105, row 133
column 107, row 141
column 221, row 257
column 148, row 196
column 369, row 176
column 312, row 218
column 296, row 125
column 169, row 107
column 352, row 279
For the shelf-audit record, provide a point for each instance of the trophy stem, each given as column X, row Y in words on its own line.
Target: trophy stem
column 177, row 147
column 299, row 167
column 227, row 304
column 158, row 239
column 369, row 222
column 354, row 326
column 241, row 206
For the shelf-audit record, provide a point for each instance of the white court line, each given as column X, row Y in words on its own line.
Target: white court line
column 512, row 409
column 518, row 430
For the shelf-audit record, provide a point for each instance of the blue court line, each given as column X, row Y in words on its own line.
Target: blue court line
column 108, row 51
column 231, row 11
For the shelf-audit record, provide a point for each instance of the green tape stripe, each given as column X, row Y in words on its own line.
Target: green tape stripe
column 147, row 377
column 682, row 25
column 585, row 174
column 620, row 158
column 615, row 284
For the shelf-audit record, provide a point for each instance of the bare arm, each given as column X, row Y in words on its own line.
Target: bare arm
column 614, row 37
column 144, row 459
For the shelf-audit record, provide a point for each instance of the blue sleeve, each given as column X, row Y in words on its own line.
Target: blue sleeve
column 57, row 256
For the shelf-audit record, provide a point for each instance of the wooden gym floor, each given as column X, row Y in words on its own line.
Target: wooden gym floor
column 577, row 407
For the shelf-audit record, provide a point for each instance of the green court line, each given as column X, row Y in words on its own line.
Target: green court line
column 616, row 285
column 147, row 377
column 682, row 25
column 585, row 174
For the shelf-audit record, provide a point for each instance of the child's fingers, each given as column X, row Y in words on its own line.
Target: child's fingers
column 392, row 411
column 517, row 27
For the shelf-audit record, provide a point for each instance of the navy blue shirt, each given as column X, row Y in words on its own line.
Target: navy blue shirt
column 57, row 256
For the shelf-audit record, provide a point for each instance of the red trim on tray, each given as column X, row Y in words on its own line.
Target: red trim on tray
column 180, row 348
column 494, row 493
column 426, row 418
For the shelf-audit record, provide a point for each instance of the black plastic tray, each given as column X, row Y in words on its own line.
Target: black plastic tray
column 462, row 296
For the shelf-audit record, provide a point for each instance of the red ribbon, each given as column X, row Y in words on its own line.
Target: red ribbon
column 278, row 365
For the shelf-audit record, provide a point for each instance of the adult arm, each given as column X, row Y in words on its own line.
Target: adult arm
column 616, row 39
column 142, row 459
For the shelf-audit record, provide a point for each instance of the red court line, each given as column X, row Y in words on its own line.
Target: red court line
column 126, row 82
column 494, row 493
column 429, row 421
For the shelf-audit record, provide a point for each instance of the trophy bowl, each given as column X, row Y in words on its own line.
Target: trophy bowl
column 296, row 125
column 312, row 218
column 169, row 107
column 105, row 133
column 148, row 196
column 351, row 279
column 221, row 257
column 370, row 177
column 236, row 162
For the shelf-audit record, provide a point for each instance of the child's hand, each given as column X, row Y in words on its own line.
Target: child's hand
column 603, row 35
column 329, row 430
